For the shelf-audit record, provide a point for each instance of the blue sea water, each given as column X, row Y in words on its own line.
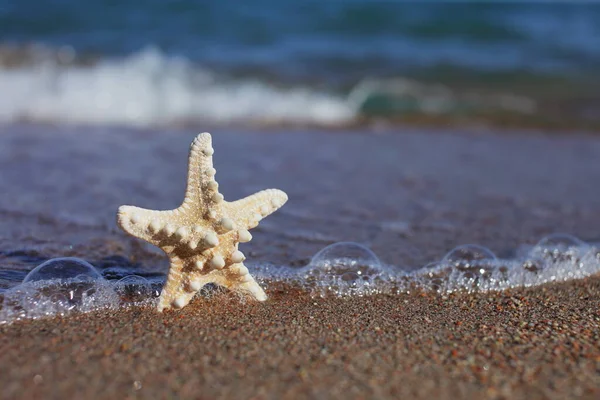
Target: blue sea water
column 326, row 62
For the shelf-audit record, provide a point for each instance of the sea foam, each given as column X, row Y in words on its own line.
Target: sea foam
column 149, row 88
column 65, row 285
column 349, row 269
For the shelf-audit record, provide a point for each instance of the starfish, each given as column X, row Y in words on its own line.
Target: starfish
column 201, row 236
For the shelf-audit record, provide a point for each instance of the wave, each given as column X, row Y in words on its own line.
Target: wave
column 149, row 89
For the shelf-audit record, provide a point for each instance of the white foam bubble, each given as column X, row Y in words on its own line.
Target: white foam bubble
column 61, row 286
column 340, row 269
column 63, row 269
column 344, row 268
column 46, row 298
column 135, row 289
column 148, row 88
column 348, row 269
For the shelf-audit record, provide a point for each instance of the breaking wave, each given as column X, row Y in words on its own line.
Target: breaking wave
column 149, row 89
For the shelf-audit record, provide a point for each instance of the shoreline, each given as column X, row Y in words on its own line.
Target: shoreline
column 523, row 343
column 411, row 197
column 491, row 124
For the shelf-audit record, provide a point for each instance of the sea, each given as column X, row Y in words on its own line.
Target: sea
column 321, row 63
column 100, row 100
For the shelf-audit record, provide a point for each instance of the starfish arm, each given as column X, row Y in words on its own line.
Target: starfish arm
column 248, row 211
column 249, row 286
column 173, row 293
column 146, row 224
column 201, row 185
column 240, row 280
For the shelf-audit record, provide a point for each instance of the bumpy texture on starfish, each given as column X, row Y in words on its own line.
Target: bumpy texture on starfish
column 201, row 236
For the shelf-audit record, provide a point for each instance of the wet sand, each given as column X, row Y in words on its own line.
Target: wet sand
column 535, row 344
column 410, row 195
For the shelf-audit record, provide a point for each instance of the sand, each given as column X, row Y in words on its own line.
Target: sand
column 535, row 344
column 410, row 195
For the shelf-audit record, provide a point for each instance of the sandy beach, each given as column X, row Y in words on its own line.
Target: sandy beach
column 523, row 344
column 423, row 194
column 441, row 236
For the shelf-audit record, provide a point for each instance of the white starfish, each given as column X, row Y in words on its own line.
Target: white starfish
column 201, row 236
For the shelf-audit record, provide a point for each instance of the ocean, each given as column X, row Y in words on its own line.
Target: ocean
column 396, row 213
column 101, row 76
column 440, row 160
column 328, row 63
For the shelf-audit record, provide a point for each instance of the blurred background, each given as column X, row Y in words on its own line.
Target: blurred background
column 322, row 63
